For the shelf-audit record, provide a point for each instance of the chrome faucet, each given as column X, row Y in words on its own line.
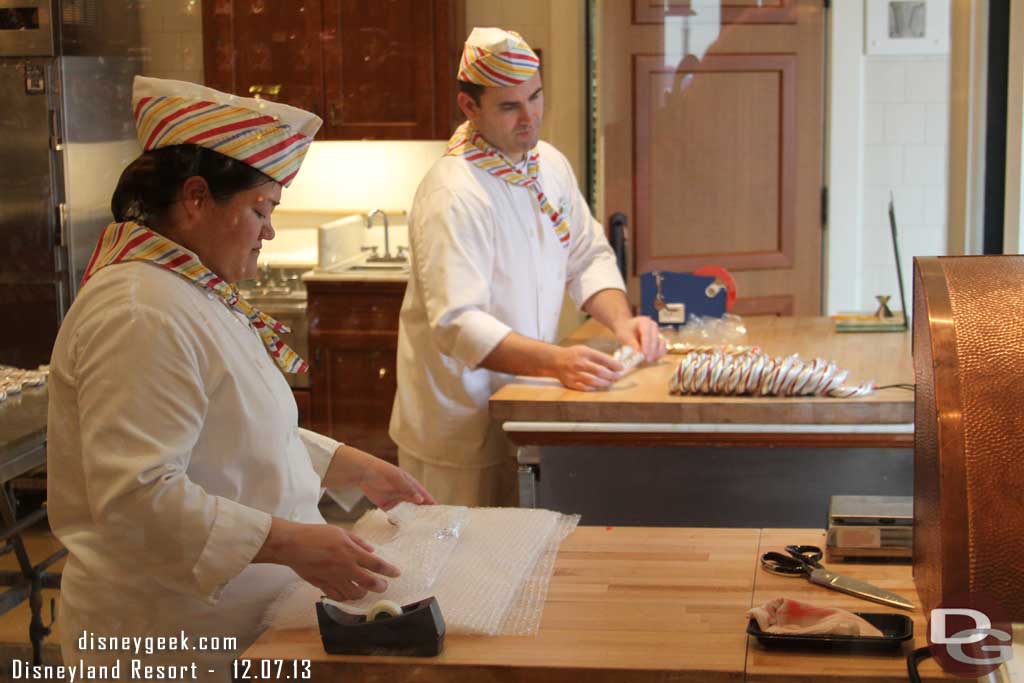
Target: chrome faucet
column 387, row 257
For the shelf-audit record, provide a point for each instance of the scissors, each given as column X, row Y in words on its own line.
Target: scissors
column 805, row 560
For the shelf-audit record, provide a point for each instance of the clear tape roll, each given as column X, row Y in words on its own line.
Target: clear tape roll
column 388, row 607
column 756, row 373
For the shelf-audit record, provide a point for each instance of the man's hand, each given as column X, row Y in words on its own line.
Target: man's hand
column 386, row 485
column 642, row 334
column 585, row 369
column 334, row 560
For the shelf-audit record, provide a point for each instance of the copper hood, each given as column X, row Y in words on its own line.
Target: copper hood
column 968, row 343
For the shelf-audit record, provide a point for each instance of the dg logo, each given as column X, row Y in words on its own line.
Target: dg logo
column 970, row 636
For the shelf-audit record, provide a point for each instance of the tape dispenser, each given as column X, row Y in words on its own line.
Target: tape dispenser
column 414, row 630
column 671, row 298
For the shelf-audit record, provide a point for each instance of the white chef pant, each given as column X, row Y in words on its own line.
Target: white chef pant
column 493, row 486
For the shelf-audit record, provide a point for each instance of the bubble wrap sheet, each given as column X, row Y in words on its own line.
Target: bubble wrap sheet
column 490, row 577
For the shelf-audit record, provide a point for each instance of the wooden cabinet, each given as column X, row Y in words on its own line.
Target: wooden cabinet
column 353, row 338
column 371, row 69
column 265, row 48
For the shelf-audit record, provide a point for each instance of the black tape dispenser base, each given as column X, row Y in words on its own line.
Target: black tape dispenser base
column 417, row 632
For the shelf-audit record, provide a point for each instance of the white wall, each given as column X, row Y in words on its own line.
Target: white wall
column 845, row 155
column 906, row 112
column 171, row 32
column 1013, row 226
column 888, row 132
column 361, row 175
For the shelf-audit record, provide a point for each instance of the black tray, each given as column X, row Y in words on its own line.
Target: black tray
column 895, row 629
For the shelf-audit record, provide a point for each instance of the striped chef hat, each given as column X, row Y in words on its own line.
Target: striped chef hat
column 269, row 136
column 497, row 58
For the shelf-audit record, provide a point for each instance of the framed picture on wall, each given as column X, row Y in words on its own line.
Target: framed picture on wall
column 906, row 27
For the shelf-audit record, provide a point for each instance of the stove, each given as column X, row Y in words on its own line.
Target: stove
column 279, row 293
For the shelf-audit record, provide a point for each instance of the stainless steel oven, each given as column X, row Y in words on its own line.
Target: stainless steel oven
column 66, row 132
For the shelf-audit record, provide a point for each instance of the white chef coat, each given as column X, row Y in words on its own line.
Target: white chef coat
column 172, row 440
column 485, row 262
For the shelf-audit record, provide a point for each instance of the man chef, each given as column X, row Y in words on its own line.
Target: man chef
column 498, row 232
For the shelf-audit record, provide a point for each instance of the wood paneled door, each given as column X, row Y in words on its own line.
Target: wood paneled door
column 711, row 118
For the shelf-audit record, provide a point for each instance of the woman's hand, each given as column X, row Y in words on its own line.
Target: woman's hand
column 334, row 560
column 384, row 484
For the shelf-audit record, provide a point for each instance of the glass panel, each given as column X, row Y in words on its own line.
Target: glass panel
column 711, row 135
column 19, row 18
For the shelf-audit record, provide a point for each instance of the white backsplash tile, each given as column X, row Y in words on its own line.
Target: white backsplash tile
column 398, row 235
column 935, row 206
column 905, row 123
column 874, row 123
column 928, row 80
column 883, row 165
column 884, row 81
column 937, row 123
column 925, row 165
column 293, row 248
column 905, row 147
column 909, row 201
column 359, row 176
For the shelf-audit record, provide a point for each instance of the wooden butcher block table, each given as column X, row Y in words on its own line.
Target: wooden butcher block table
column 634, row 605
column 624, row 604
column 539, row 409
column 636, row 455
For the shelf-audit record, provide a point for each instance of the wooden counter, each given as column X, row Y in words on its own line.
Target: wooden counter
column 641, row 604
column 642, row 398
column 624, row 604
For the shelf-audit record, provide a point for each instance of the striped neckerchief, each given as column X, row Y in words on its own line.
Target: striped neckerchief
column 128, row 241
column 467, row 142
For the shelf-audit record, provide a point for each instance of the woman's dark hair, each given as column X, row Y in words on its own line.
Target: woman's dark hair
column 151, row 183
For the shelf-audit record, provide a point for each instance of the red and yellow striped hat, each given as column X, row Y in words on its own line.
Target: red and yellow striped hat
column 268, row 136
column 497, row 58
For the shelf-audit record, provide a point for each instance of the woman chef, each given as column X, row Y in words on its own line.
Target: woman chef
column 178, row 479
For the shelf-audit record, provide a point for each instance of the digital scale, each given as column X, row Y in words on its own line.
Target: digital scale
column 870, row 526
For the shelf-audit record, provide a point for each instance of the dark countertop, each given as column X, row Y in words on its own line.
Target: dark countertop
column 22, row 432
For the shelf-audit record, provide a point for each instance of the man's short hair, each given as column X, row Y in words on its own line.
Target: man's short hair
column 474, row 90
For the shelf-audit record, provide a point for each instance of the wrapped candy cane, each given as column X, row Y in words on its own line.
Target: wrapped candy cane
column 683, row 348
column 629, row 357
column 753, row 372
column 13, row 380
